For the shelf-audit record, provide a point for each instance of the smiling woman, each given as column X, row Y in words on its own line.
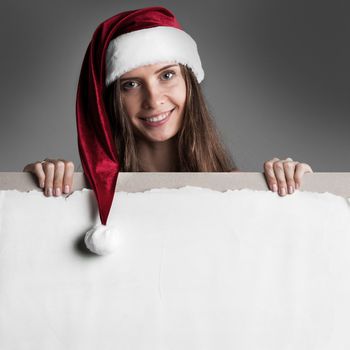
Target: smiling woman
column 153, row 97
column 154, row 106
column 140, row 108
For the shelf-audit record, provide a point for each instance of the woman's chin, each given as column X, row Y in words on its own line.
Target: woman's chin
column 160, row 137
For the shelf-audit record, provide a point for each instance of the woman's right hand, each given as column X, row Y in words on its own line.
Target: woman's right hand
column 55, row 176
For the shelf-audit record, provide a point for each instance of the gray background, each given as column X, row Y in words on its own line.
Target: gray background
column 277, row 76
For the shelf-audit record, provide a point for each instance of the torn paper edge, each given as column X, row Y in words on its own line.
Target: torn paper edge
column 187, row 189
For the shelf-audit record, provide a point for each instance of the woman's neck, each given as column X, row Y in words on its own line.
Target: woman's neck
column 158, row 156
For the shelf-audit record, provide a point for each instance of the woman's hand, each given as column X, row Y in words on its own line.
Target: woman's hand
column 285, row 176
column 55, row 176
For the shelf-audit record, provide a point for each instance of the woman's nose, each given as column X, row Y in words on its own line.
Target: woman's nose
column 153, row 97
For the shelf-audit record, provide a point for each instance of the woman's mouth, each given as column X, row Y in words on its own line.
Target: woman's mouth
column 160, row 119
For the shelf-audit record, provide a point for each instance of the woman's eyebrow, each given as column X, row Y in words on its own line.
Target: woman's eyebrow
column 166, row 67
column 156, row 72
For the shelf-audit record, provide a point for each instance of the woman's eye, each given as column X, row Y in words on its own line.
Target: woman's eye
column 168, row 75
column 130, row 85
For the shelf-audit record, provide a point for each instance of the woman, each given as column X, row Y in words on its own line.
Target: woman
column 181, row 136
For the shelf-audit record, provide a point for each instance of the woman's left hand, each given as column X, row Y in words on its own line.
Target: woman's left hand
column 285, row 175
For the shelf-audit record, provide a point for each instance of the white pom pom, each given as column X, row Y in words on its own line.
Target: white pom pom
column 102, row 240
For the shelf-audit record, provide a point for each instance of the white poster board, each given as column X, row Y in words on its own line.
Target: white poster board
column 195, row 269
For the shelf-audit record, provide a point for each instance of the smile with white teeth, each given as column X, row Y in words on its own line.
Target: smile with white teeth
column 158, row 118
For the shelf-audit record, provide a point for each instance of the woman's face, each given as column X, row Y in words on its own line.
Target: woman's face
column 154, row 91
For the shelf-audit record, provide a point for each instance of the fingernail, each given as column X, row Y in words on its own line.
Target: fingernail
column 290, row 189
column 58, row 192
column 274, row 188
column 297, row 186
column 66, row 189
column 49, row 191
column 283, row 191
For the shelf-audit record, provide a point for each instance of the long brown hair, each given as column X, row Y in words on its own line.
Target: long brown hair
column 200, row 148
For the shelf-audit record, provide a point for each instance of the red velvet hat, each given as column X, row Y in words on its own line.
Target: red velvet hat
column 120, row 44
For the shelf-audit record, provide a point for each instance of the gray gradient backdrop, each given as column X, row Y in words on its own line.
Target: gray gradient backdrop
column 277, row 76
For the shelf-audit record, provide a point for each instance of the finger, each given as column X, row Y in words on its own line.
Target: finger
column 300, row 170
column 49, row 169
column 270, row 174
column 68, row 177
column 37, row 169
column 280, row 177
column 289, row 170
column 58, row 177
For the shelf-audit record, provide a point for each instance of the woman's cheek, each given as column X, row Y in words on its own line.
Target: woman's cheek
column 131, row 103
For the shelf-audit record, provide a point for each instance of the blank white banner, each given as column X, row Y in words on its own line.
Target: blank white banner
column 194, row 269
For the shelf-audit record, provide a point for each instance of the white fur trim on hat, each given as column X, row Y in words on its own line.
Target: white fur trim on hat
column 149, row 46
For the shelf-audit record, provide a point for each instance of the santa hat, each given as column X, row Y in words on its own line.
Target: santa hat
column 123, row 42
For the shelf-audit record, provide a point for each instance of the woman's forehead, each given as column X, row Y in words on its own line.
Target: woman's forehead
column 149, row 69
